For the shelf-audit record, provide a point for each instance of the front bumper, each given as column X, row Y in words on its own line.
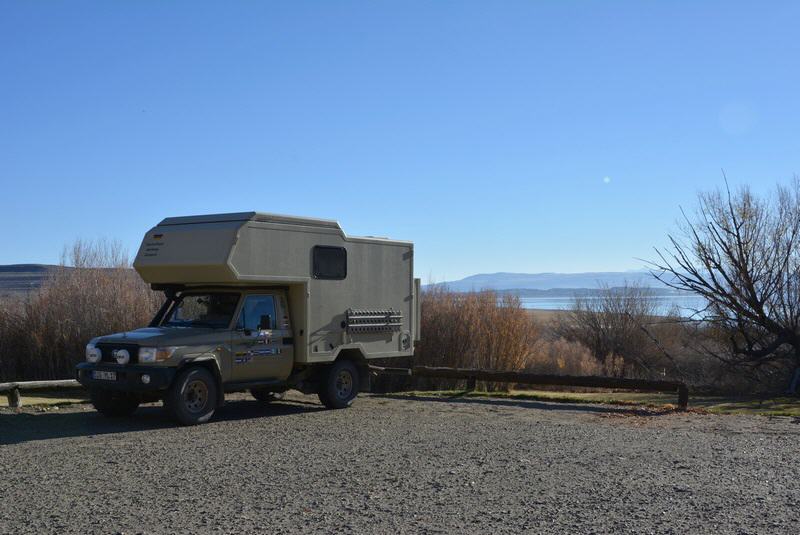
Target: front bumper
column 129, row 377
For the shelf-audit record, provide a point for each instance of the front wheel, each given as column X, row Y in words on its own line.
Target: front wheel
column 192, row 398
column 339, row 385
column 112, row 403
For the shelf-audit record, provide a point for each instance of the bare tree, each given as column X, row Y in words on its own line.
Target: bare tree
column 741, row 253
column 611, row 326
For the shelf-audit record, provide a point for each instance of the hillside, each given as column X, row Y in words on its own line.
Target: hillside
column 17, row 279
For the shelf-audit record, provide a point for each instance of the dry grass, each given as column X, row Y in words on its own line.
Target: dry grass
column 488, row 331
column 562, row 357
column 775, row 406
column 475, row 330
column 545, row 318
column 94, row 292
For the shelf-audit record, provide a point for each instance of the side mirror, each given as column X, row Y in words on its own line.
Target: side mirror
column 265, row 323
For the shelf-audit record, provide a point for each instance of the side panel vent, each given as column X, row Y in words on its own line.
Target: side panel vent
column 374, row 321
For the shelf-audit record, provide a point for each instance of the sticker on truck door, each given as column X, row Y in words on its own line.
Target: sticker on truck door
column 264, row 351
column 244, row 358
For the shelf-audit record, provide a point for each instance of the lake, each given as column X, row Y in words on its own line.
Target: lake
column 665, row 303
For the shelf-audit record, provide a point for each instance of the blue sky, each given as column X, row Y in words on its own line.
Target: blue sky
column 498, row 136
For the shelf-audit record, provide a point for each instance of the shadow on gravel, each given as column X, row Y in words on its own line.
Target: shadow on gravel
column 28, row 426
column 534, row 404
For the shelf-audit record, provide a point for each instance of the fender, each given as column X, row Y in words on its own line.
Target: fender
column 355, row 353
column 211, row 362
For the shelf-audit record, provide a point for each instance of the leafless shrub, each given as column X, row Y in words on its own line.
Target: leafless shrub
column 93, row 292
column 612, row 326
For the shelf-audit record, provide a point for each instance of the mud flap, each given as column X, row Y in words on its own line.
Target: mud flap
column 365, row 379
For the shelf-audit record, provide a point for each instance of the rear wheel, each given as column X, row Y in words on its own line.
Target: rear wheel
column 192, row 398
column 113, row 403
column 266, row 396
column 339, row 385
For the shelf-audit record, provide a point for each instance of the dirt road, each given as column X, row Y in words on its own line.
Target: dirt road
column 394, row 465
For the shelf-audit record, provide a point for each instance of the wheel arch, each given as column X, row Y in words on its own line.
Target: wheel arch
column 210, row 363
column 356, row 356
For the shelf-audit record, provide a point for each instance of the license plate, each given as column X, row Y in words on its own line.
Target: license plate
column 104, row 376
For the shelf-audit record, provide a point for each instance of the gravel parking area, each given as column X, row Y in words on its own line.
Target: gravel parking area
column 399, row 465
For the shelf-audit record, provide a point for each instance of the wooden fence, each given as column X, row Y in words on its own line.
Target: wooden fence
column 14, row 390
column 471, row 376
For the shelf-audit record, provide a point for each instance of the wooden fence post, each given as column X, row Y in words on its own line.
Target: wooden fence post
column 472, row 383
column 14, row 398
column 683, row 397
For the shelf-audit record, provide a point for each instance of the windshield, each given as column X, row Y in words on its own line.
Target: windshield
column 213, row 310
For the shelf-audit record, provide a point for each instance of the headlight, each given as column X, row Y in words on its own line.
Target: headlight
column 147, row 354
column 121, row 355
column 156, row 354
column 93, row 354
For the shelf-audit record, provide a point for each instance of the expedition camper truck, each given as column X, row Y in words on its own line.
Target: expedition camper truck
column 257, row 302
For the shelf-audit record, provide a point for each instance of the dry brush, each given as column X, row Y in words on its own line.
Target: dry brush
column 94, row 291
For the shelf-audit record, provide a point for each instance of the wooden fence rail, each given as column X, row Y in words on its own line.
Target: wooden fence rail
column 14, row 390
column 473, row 375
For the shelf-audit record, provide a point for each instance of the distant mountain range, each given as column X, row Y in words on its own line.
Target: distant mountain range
column 23, row 278
column 533, row 284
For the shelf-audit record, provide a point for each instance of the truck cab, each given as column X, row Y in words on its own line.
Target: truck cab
column 296, row 322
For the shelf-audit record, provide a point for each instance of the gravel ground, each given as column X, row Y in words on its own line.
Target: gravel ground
column 399, row 465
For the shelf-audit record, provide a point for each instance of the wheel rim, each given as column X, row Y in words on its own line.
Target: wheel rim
column 195, row 396
column 344, row 384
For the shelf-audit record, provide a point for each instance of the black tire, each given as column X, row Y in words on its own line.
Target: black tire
column 339, row 385
column 266, row 396
column 192, row 398
column 112, row 403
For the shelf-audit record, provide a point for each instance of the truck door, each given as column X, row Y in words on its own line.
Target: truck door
column 259, row 351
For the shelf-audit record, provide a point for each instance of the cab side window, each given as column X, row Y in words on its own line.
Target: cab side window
column 255, row 309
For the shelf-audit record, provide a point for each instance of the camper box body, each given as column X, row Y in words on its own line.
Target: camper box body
column 345, row 293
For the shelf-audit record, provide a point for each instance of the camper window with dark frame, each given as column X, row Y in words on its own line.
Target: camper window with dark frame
column 329, row 262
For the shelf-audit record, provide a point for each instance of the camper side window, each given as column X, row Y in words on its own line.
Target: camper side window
column 329, row 262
